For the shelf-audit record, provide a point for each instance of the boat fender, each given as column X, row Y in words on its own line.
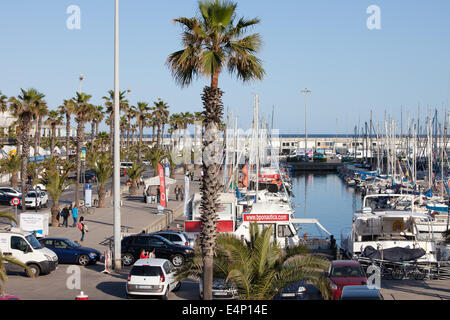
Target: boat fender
column 398, row 226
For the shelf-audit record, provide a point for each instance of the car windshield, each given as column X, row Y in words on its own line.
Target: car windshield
column 347, row 271
column 33, row 241
column 31, row 194
column 149, row 271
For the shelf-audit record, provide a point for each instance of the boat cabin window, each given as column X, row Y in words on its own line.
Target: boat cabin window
column 284, row 231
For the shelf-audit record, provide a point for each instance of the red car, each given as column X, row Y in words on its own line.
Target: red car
column 345, row 273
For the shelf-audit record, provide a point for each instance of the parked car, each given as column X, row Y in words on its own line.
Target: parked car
column 360, row 293
column 124, row 166
column 345, row 273
column 6, row 198
column 176, row 237
column 152, row 277
column 164, row 249
column 299, row 290
column 24, row 247
column 11, row 191
column 9, row 297
column 33, row 201
column 70, row 252
column 221, row 290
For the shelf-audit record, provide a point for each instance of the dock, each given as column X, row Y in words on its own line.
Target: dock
column 329, row 166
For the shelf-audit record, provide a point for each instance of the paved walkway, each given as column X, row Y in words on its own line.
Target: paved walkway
column 136, row 216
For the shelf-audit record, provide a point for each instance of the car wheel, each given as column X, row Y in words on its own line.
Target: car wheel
column 177, row 287
column 34, row 270
column 83, row 260
column 127, row 259
column 166, row 295
column 177, row 260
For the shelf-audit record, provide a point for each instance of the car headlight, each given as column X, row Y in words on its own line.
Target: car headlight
column 92, row 254
column 334, row 286
column 188, row 250
column 49, row 258
column 301, row 289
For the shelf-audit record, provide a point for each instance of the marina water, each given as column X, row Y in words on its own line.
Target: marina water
column 324, row 197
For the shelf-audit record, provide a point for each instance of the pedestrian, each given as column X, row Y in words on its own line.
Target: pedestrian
column 83, row 228
column 181, row 191
column 65, row 215
column 74, row 216
column 152, row 254
column 177, row 190
column 144, row 254
column 192, row 175
column 158, row 194
column 58, row 216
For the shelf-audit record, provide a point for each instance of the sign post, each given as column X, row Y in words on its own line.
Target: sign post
column 162, row 186
column 15, row 202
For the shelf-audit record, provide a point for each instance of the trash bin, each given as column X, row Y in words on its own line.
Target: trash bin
column 148, row 199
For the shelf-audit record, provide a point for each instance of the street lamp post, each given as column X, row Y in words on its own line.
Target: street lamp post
column 116, row 184
column 306, row 92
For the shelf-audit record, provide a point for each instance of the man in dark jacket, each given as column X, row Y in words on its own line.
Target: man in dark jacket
column 65, row 215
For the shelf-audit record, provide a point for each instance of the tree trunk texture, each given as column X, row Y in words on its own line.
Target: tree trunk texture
column 26, row 120
column 210, row 188
column 80, row 136
column 101, row 196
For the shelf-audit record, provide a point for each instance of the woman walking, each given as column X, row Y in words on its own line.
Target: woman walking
column 83, row 228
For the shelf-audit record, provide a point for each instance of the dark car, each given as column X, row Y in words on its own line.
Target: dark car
column 360, row 293
column 87, row 176
column 70, row 252
column 164, row 249
column 221, row 290
column 6, row 198
column 299, row 290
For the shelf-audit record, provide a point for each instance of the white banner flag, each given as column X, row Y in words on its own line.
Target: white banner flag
column 186, row 195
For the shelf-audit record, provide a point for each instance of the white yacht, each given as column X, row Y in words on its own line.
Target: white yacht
column 387, row 228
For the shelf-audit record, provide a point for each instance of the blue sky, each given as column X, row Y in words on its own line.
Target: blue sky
column 322, row 44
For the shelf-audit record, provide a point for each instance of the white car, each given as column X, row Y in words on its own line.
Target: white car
column 33, row 201
column 176, row 237
column 11, row 192
column 152, row 277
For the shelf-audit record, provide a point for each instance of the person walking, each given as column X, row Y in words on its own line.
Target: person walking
column 158, row 194
column 177, row 190
column 144, row 254
column 75, row 215
column 65, row 215
column 192, row 175
column 181, row 191
column 83, row 228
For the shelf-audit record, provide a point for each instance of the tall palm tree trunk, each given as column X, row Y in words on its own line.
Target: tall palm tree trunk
column 92, row 135
column 210, row 186
column 52, row 142
column 67, row 135
column 24, row 156
column 37, row 133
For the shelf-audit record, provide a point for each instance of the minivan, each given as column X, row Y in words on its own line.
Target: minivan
column 26, row 248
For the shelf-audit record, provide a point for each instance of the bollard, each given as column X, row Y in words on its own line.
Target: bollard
column 82, row 296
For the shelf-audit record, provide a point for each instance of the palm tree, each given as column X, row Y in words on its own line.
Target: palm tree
column 55, row 179
column 101, row 141
column 142, row 110
column 131, row 113
column 82, row 113
column 96, row 118
column 155, row 156
column 23, row 108
column 213, row 42
column 8, row 259
column 40, row 111
column 12, row 167
column 102, row 164
column 134, row 173
column 162, row 114
column 67, row 109
column 3, row 102
column 259, row 268
column 54, row 119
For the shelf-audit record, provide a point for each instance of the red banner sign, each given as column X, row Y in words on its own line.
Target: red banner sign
column 266, row 217
column 196, row 226
column 162, row 186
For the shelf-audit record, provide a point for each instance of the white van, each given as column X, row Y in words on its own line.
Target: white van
column 26, row 248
